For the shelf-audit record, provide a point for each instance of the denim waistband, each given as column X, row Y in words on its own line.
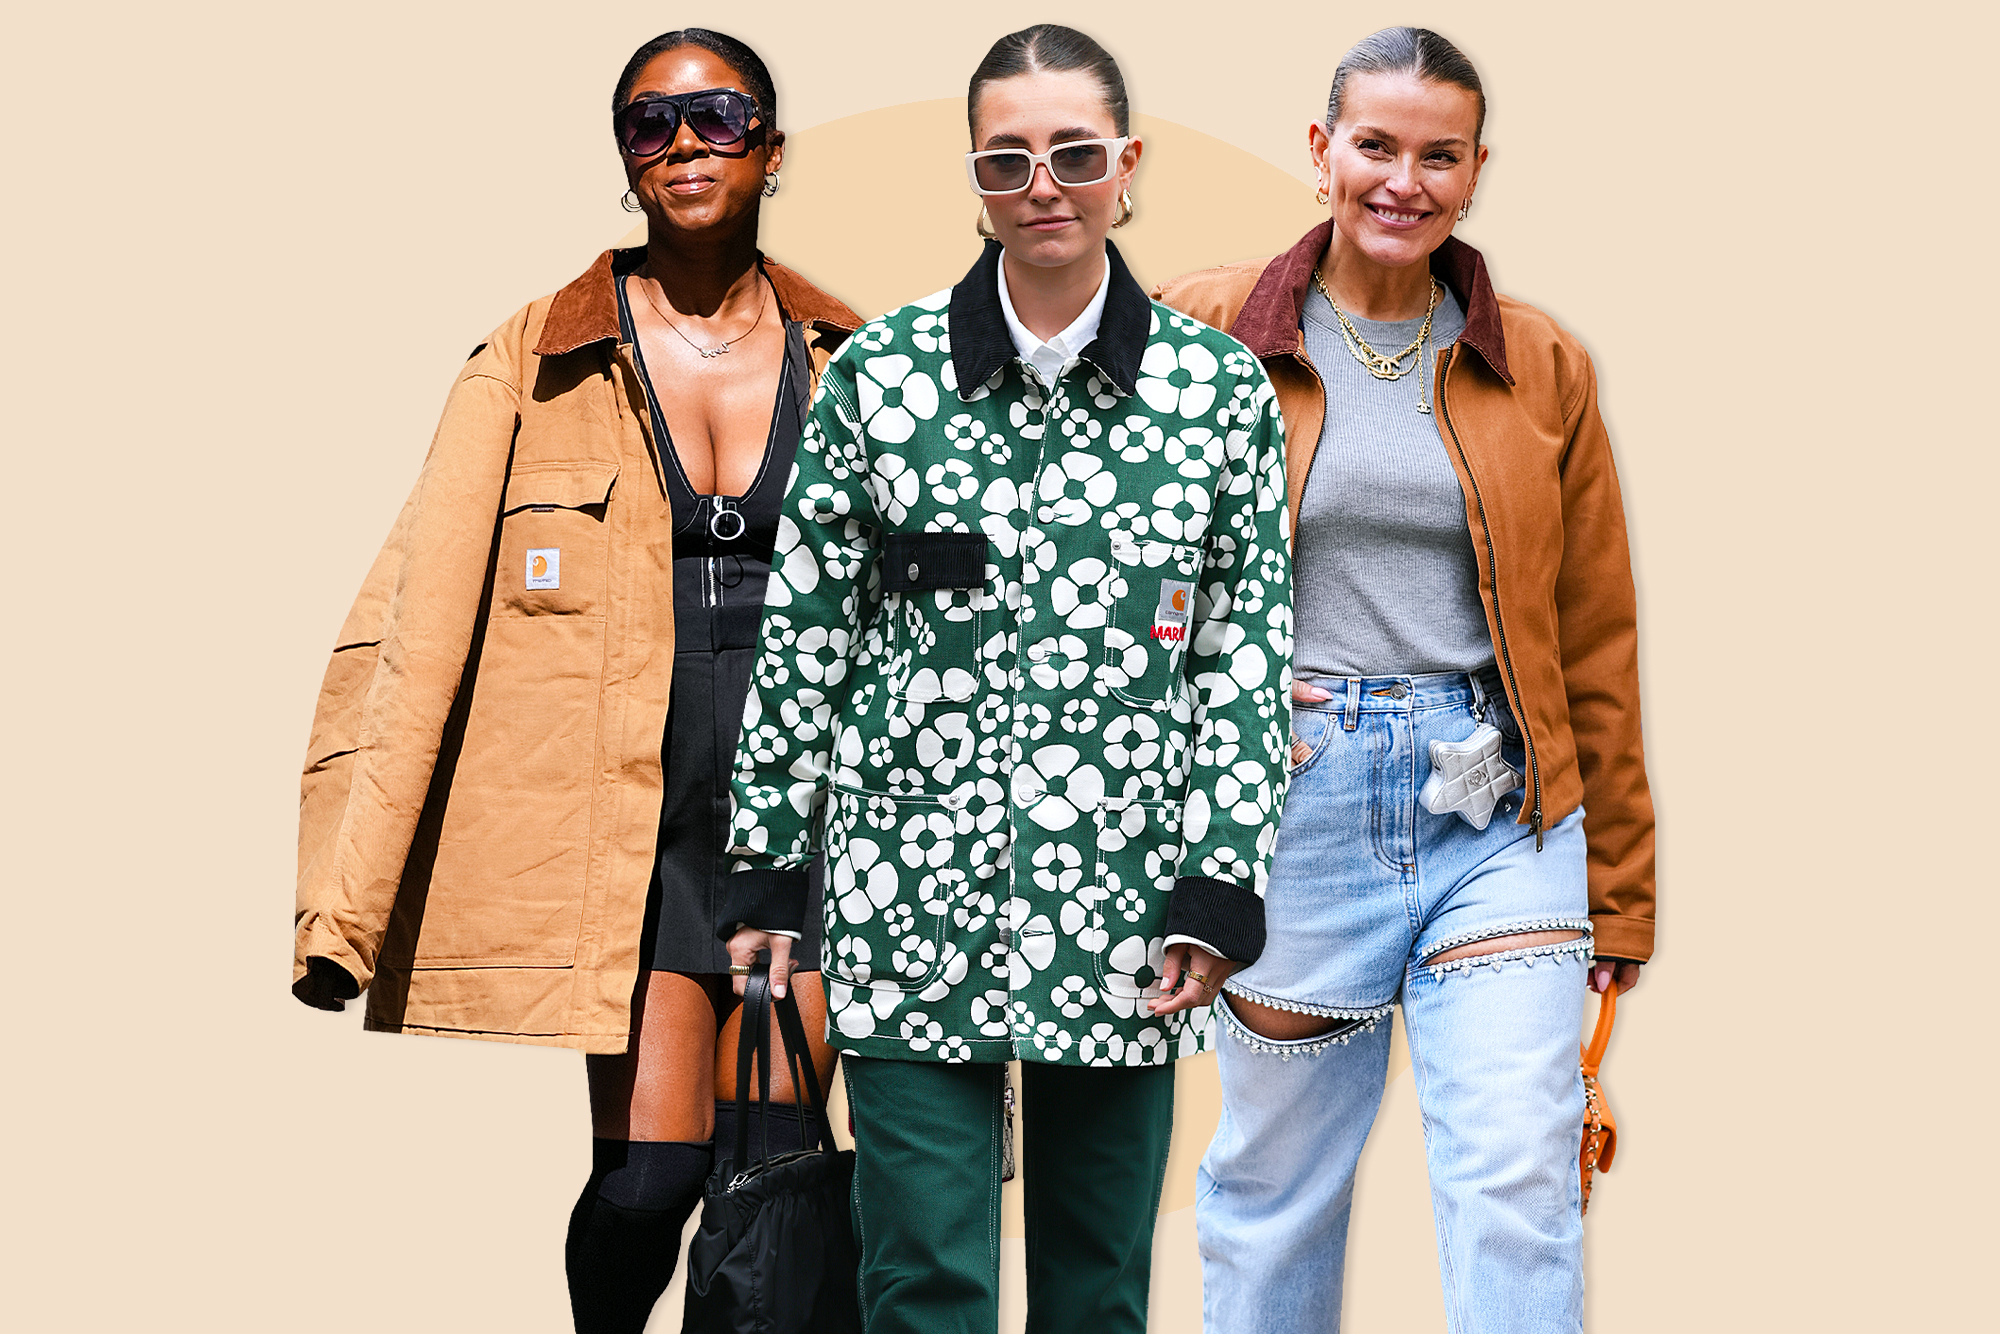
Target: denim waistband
column 1403, row 694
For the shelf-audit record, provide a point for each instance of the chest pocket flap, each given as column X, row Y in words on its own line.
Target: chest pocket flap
column 914, row 561
column 570, row 486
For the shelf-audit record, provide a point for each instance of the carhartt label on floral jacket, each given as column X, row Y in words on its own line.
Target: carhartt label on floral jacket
column 1025, row 667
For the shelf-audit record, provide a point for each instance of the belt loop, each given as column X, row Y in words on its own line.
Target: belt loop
column 1478, row 698
column 1353, row 719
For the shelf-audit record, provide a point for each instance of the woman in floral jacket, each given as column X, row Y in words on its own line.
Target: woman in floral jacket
column 1026, row 649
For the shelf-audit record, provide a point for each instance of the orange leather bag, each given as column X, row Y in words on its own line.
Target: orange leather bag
column 1600, row 1131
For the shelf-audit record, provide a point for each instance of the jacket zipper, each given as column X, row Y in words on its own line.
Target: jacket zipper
column 1499, row 623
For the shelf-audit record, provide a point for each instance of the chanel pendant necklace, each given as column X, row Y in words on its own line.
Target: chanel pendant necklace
column 1385, row 365
column 707, row 353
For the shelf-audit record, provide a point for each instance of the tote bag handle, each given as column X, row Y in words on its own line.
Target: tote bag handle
column 754, row 1041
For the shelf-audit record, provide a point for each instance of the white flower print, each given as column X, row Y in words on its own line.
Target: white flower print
column 1136, row 438
column 1078, row 479
column 927, row 839
column 989, row 1013
column 1070, row 787
column 1102, row 1045
column 965, row 431
column 1194, row 452
column 861, row 882
column 1058, row 867
column 1070, row 995
column 895, row 486
column 920, row 1030
column 1178, row 381
column 1052, row 1040
column 1081, row 595
column 1081, row 425
column 951, row 481
column 1132, row 975
column 1132, row 741
column 1085, row 927
column 932, row 333
column 894, row 397
column 945, row 746
column 1180, row 511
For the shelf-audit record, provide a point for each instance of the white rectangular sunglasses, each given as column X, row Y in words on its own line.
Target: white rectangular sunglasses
column 1006, row 171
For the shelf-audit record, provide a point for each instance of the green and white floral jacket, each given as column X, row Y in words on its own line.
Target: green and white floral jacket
column 1026, row 663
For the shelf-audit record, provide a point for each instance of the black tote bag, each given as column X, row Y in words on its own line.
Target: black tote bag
column 775, row 1251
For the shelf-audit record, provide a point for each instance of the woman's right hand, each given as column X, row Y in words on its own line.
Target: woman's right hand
column 743, row 947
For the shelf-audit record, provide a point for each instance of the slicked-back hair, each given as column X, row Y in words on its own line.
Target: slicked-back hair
column 1052, row 48
column 741, row 58
column 1417, row 51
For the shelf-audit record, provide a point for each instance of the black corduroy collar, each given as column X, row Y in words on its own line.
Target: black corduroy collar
column 980, row 343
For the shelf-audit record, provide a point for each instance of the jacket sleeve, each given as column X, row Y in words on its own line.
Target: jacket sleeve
column 1240, row 664
column 824, row 582
column 395, row 673
column 1598, row 635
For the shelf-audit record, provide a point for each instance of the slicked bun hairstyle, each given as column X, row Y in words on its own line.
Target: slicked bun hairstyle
column 1417, row 51
column 1055, row 49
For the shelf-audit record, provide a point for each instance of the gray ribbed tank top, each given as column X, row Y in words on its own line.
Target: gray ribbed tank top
column 1385, row 580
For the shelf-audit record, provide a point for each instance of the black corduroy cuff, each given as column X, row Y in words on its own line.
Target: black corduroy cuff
column 1221, row 912
column 766, row 900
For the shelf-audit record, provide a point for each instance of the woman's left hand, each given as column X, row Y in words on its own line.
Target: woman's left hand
column 1198, row 977
column 1603, row 972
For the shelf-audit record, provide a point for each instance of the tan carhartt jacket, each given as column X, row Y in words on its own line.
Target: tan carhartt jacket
column 1517, row 401
column 481, row 800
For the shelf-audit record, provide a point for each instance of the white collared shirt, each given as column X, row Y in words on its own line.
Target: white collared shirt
column 1051, row 358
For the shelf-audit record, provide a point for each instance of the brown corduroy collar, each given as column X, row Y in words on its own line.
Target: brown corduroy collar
column 586, row 311
column 1268, row 324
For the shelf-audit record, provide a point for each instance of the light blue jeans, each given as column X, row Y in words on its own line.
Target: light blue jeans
column 1366, row 886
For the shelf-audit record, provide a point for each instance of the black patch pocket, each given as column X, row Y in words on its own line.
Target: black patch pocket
column 919, row 560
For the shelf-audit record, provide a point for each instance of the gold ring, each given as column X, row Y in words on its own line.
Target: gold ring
column 739, row 970
column 1199, row 977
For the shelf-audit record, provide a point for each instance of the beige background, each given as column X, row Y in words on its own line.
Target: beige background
column 248, row 246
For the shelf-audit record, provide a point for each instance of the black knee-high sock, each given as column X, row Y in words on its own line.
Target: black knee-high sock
column 787, row 1133
column 625, row 1232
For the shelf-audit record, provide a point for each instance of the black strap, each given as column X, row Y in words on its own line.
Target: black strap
column 753, row 1040
column 793, row 1029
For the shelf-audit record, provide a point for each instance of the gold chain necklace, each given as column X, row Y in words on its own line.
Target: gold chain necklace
column 706, row 352
column 1384, row 367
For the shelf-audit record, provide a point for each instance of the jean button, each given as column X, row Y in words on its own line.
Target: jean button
column 1398, row 691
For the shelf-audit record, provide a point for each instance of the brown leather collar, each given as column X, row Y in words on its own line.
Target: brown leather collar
column 1268, row 324
column 586, row 311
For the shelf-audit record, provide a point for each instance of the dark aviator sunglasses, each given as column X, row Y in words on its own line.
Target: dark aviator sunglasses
column 720, row 116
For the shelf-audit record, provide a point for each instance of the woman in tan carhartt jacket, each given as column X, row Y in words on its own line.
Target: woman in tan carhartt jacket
column 1469, row 831
column 491, row 841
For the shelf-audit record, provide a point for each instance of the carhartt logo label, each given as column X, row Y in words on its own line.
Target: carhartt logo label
column 545, row 567
column 1176, row 607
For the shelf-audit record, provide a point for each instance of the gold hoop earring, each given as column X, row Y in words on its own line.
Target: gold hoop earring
column 770, row 184
column 1323, row 197
column 983, row 224
column 1124, row 210
column 629, row 201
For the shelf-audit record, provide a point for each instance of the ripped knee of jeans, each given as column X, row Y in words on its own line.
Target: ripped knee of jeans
column 1557, row 939
column 1286, row 1029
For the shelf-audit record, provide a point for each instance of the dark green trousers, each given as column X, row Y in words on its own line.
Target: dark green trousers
column 1093, row 1152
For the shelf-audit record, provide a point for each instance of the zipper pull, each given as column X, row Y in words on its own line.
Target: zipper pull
column 1535, row 819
